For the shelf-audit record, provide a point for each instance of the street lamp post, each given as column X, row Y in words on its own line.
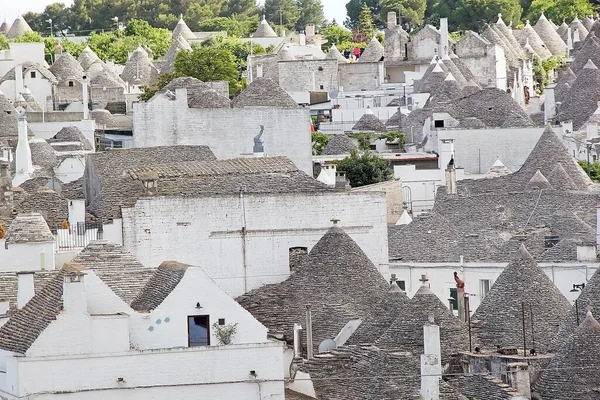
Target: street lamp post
column 577, row 288
column 588, row 146
column 49, row 20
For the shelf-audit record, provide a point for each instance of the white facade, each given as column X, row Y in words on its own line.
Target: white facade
column 39, row 86
column 98, row 348
column 26, row 256
column 207, row 231
column 18, row 53
column 229, row 132
column 70, row 168
column 46, row 130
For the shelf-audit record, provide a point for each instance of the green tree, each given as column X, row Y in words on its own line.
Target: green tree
column 354, row 9
column 209, row 63
column 161, row 82
column 366, row 169
column 282, row 12
column 241, row 7
column 230, row 25
column 319, row 141
column 412, row 11
column 593, row 170
column 365, row 24
column 29, row 37
column 311, row 12
column 474, row 14
column 3, row 43
column 335, row 34
column 558, row 10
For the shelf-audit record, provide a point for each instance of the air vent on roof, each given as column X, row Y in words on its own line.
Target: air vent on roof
column 551, row 241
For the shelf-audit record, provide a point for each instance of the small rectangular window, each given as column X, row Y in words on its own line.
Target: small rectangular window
column 198, row 330
column 454, row 297
column 401, row 285
column 221, row 321
column 321, row 87
column 438, row 123
column 70, row 83
column 32, row 74
column 484, row 287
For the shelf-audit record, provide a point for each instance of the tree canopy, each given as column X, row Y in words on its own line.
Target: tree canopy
column 366, row 169
column 557, row 10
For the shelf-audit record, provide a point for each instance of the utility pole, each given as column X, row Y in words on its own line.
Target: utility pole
column 280, row 17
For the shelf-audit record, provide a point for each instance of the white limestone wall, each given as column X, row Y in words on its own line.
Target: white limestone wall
column 190, row 373
column 228, row 132
column 476, row 150
column 20, row 53
column 40, row 88
column 353, row 115
column 206, row 232
column 70, row 169
column 26, row 256
column 441, row 277
column 167, row 325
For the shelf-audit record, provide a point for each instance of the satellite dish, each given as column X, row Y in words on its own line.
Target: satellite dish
column 327, row 345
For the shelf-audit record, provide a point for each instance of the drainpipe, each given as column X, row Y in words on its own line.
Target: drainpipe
column 244, row 261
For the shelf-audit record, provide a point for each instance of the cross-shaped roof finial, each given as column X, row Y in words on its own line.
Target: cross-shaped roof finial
column 335, row 221
column 424, row 279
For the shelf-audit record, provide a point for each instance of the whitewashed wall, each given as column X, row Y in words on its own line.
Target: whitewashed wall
column 46, row 130
column 26, row 256
column 229, row 132
column 206, row 231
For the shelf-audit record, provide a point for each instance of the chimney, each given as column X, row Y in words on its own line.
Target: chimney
column 446, row 151
column 310, row 31
column 431, row 362
column 85, row 99
column 575, row 36
column 25, row 288
column 58, row 49
column 297, row 352
column 549, row 104
column 19, row 86
column 443, row 50
column 451, row 178
column 23, row 163
column 309, row 338
column 341, row 182
column 391, row 20
column 569, row 39
column 518, row 378
column 6, row 193
column 592, row 130
column 586, row 252
column 74, row 296
column 149, row 180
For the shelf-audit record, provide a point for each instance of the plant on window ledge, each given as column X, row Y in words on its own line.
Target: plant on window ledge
column 225, row 333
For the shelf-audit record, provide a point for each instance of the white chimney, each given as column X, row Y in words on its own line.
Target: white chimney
column 74, row 296
column 297, row 352
column 431, row 363
column 391, row 20
column 443, row 37
column 84, row 97
column 446, row 147
column 19, row 86
column 549, row 103
column 25, row 288
column 569, row 39
column 586, row 252
column 23, row 163
column 575, row 36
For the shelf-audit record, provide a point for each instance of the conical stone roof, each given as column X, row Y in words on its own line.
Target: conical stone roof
column 574, row 372
column 589, row 50
column 5, row 27
column 580, row 102
column 551, row 39
column 334, row 54
column 179, row 44
column 538, row 181
column 559, row 179
column 508, row 34
column 454, row 70
column 340, row 283
column 548, row 152
column 576, row 24
column 18, row 28
column 105, row 79
column 498, row 169
column 181, row 29
column 264, row 30
column 528, row 34
column 285, row 54
column 87, row 57
column 373, row 52
column 564, row 83
column 67, row 68
column 588, row 23
column 71, row 134
column 424, row 84
column 562, row 30
column 406, row 333
column 369, row 123
column 464, row 70
column 339, row 144
column 139, row 69
column 263, row 92
column 523, row 285
column 493, row 35
column 8, row 119
column 595, row 28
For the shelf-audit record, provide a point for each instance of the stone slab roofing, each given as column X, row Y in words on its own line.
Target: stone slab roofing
column 166, row 278
column 18, row 28
column 508, row 34
column 168, row 63
column 5, row 26
column 493, row 35
column 340, row 284
column 406, row 333
column 196, row 88
column 563, row 85
column 576, row 24
column 580, row 102
column 483, row 387
column 264, row 30
column 263, row 92
column 87, row 57
column 334, row 54
column 551, row 39
column 28, row 66
column 529, row 35
column 574, row 372
column 71, row 134
column 589, row 50
column 118, row 268
column 181, row 29
column 29, row 228
column 523, row 287
column 67, row 68
column 139, row 69
column 369, row 123
column 44, row 201
column 9, row 286
column 374, row 52
column 339, row 144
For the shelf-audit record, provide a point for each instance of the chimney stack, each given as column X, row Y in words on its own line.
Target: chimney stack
column 259, row 149
column 74, row 296
column 23, row 163
column 341, row 182
column 569, row 40
column 549, row 104
column 391, row 20
column 19, row 86
column 431, row 363
column 85, row 98
column 451, row 178
column 443, row 50
column 25, row 288
column 6, row 193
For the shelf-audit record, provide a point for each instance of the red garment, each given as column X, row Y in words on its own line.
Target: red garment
column 356, row 51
